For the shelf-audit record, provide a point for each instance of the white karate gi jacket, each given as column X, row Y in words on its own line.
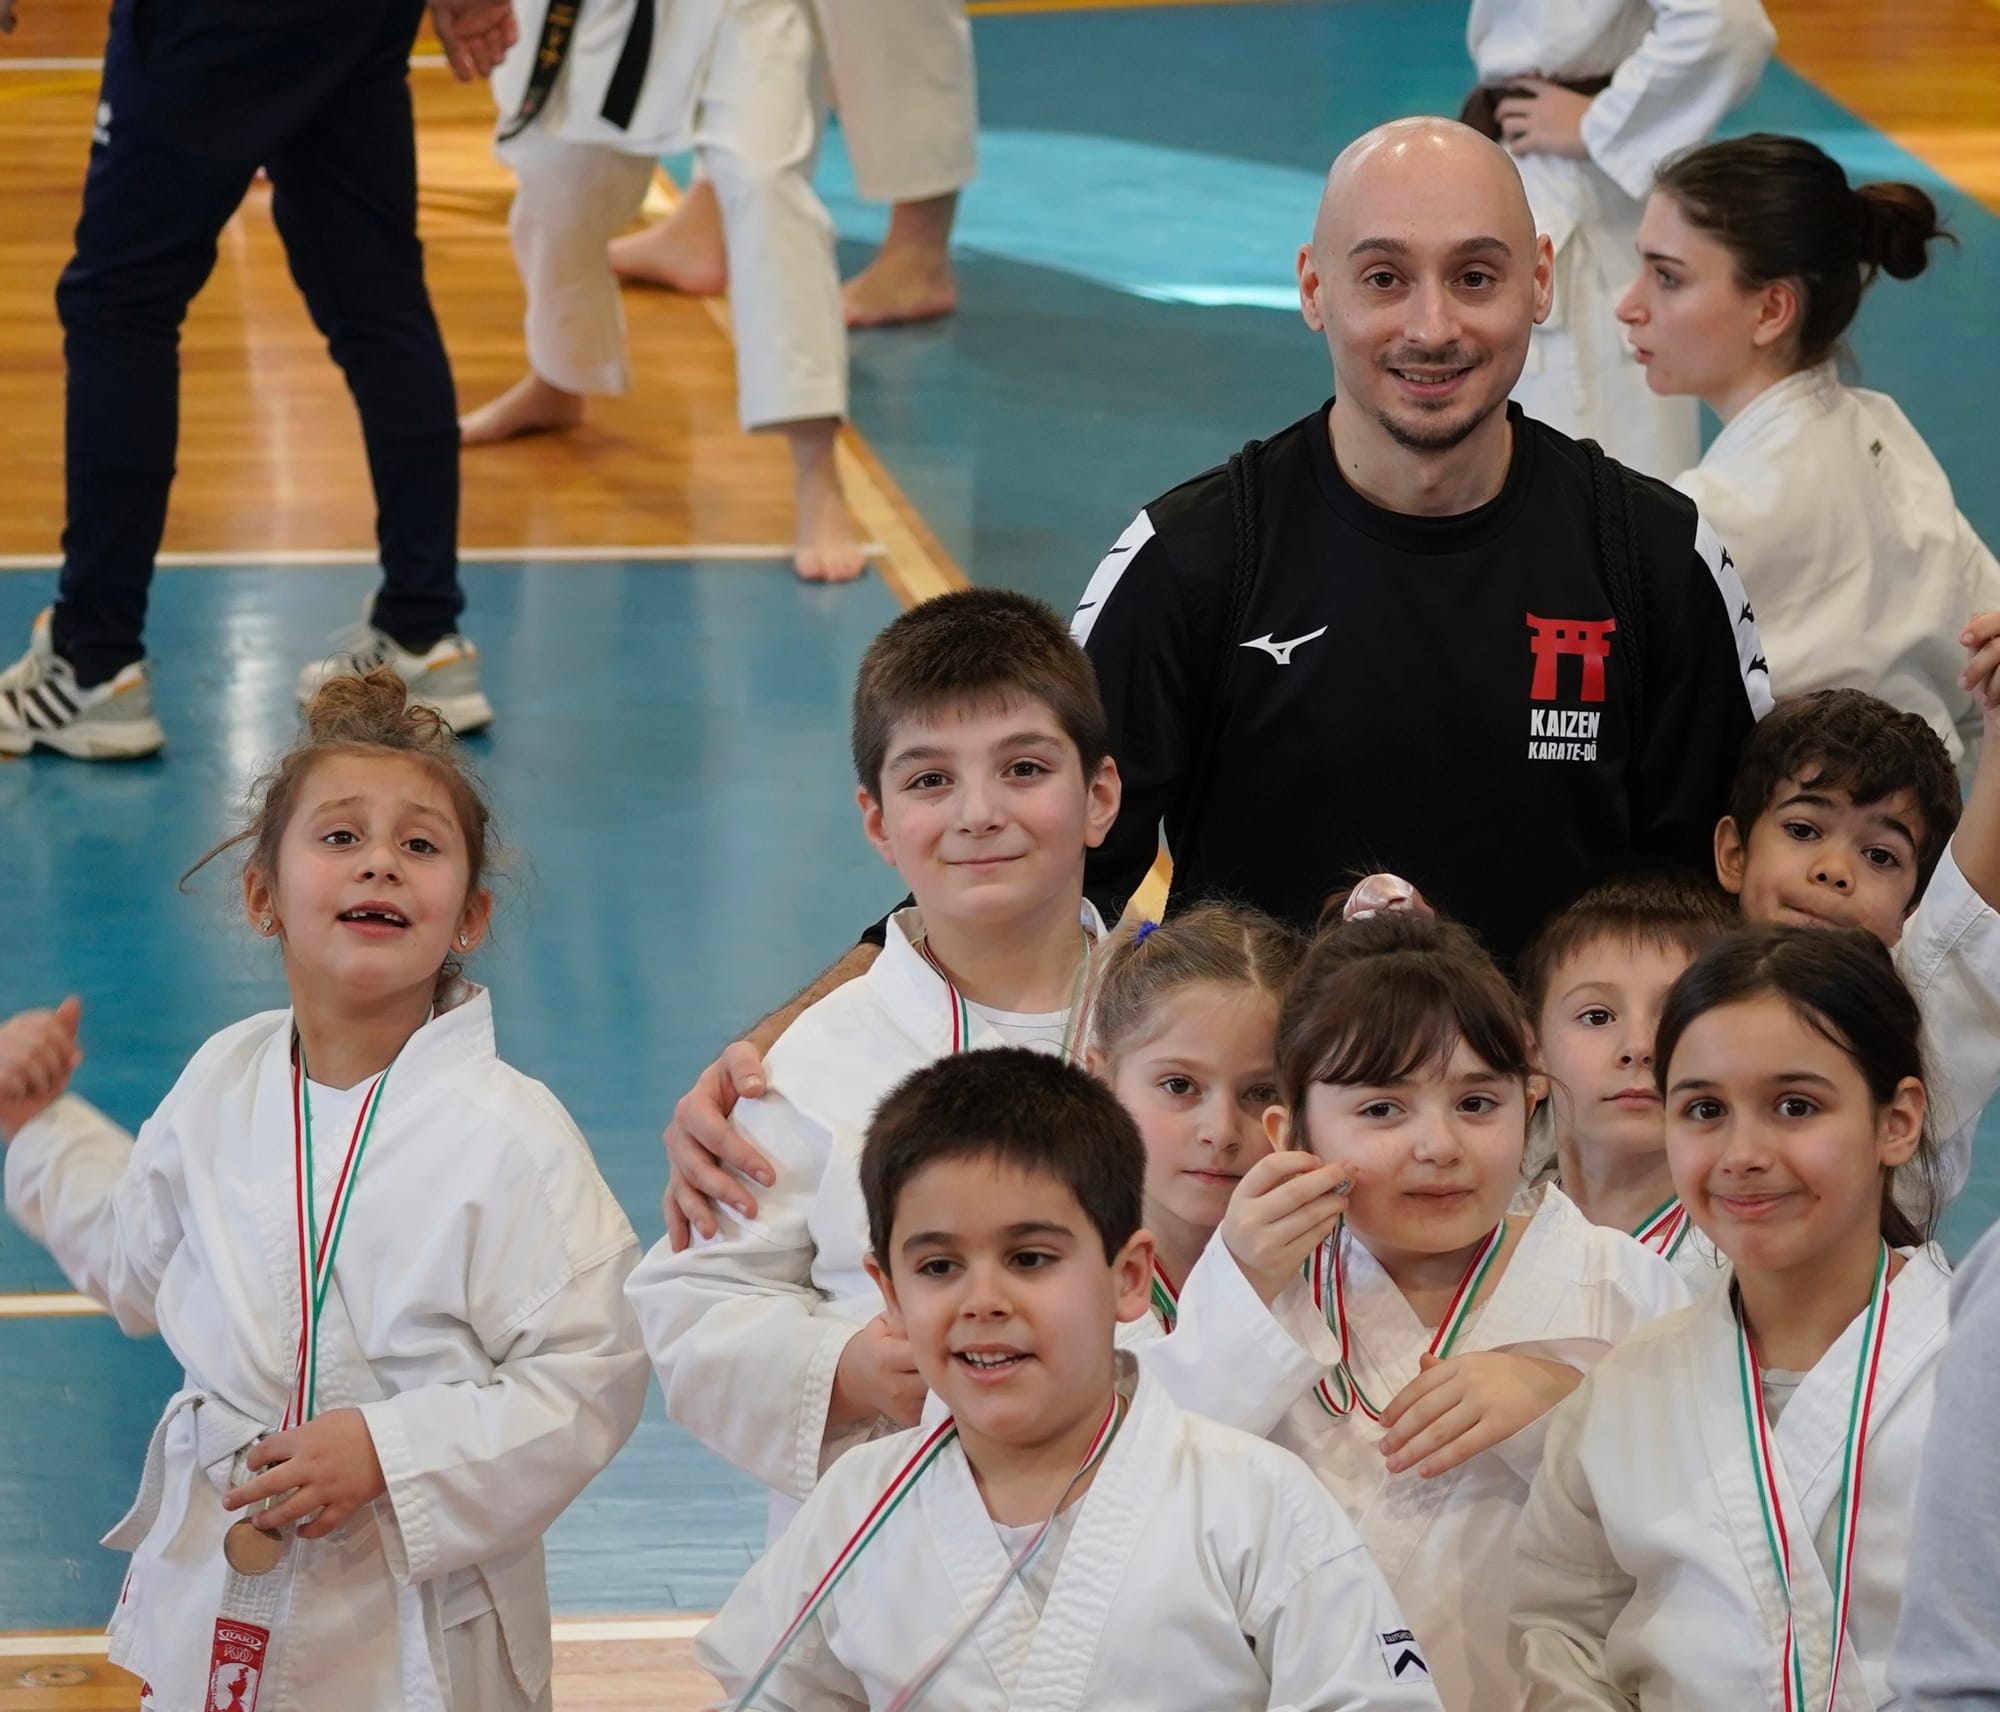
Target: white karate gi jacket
column 1844, row 530
column 476, row 1319
column 745, row 1329
column 1205, row 1570
column 1571, row 1291
column 1645, row 1578
column 1676, row 67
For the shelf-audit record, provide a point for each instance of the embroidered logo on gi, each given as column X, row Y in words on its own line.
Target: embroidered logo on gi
column 100, row 133
column 233, row 1688
column 1399, row 1653
column 1588, row 639
column 1282, row 651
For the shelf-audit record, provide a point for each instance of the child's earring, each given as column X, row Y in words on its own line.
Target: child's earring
column 464, row 941
column 264, row 926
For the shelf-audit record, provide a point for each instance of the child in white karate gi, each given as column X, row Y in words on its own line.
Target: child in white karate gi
column 384, row 1258
column 1722, row 1517
column 1463, row 1312
column 983, row 772
column 1065, row 1538
column 1594, row 980
column 741, row 82
column 1590, row 96
column 1754, row 256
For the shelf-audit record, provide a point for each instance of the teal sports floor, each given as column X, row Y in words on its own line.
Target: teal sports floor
column 669, row 760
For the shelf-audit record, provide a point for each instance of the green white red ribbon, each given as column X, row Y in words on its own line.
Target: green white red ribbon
column 1166, row 1299
column 877, row 1518
column 318, row 1243
column 1763, row 1461
column 1340, row 1392
column 1664, row 1229
column 1074, row 1038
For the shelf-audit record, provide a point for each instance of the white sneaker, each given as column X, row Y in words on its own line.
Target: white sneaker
column 446, row 678
column 41, row 703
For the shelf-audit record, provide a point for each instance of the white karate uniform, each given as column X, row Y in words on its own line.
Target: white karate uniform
column 1676, row 67
column 1571, row 1291
column 1203, row 1569
column 1645, row 1577
column 1844, row 530
column 747, row 85
column 746, row 1328
column 476, row 1319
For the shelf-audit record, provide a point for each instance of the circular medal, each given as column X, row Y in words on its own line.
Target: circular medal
column 251, row 1550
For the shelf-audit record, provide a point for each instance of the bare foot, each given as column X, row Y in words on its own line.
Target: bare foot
column 830, row 547
column 530, row 406
column 684, row 252
column 897, row 287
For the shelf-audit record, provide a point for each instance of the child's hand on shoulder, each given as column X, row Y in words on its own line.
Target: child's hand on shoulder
column 328, row 1465
column 38, row 1055
column 1285, row 1207
column 876, row 1375
column 1464, row 1404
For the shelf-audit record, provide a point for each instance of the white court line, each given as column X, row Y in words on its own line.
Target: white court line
column 289, row 558
column 52, row 1304
column 418, row 62
column 578, row 1629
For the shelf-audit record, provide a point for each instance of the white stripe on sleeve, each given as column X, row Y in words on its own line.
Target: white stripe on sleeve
column 1105, row 578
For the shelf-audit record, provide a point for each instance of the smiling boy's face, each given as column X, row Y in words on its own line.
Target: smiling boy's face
column 1817, row 858
column 998, row 1278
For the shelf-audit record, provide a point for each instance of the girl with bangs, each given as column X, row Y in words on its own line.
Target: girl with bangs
column 1464, row 1306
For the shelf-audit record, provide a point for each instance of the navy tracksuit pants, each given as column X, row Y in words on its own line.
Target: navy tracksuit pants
column 197, row 95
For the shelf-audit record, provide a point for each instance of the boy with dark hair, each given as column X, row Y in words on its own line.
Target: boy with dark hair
column 1067, row 1537
column 983, row 778
column 1845, row 813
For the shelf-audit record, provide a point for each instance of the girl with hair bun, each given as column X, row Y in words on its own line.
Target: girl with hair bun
column 1754, row 254
column 384, row 1258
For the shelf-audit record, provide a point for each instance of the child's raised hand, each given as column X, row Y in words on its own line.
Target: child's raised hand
column 1285, row 1207
column 328, row 1465
column 1981, row 640
column 38, row 1055
column 1464, row 1404
column 876, row 1375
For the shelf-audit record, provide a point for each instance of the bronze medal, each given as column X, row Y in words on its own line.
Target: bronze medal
column 251, row 1550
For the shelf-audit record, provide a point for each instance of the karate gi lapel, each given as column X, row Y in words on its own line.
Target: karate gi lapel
column 1132, row 1481
column 975, row 1562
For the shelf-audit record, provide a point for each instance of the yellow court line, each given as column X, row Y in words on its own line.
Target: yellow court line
column 671, row 1626
column 46, row 1305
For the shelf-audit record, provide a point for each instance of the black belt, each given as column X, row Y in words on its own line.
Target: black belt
column 621, row 99
column 1479, row 105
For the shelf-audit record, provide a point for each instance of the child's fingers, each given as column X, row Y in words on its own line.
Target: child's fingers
column 1418, row 1403
column 68, row 1014
column 267, row 1485
column 1459, row 1437
column 273, row 1449
column 330, row 1517
column 1273, row 1169
column 293, row 1510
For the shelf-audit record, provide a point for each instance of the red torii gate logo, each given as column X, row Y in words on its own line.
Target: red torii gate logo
column 1589, row 639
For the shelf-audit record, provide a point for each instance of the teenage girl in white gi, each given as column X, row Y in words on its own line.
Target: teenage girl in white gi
column 1723, row 1516
column 1590, row 96
column 1754, row 254
column 383, row 1256
column 1462, row 1311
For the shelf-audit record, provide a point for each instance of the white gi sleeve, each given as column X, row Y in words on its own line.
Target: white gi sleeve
column 1567, row 1586
column 1700, row 58
column 1230, row 1357
column 739, row 1336
column 106, row 1207
column 1322, row 1620
column 1949, row 956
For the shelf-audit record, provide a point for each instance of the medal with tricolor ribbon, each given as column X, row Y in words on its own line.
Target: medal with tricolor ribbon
column 1762, row 1460
column 920, row 1461
column 1075, row 1036
column 1664, row 1229
column 1339, row 1393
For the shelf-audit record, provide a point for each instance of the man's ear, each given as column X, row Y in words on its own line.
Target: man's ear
column 1309, row 289
column 871, row 823
column 1133, row 1269
column 1545, row 277
column 892, row 1311
column 1732, row 855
